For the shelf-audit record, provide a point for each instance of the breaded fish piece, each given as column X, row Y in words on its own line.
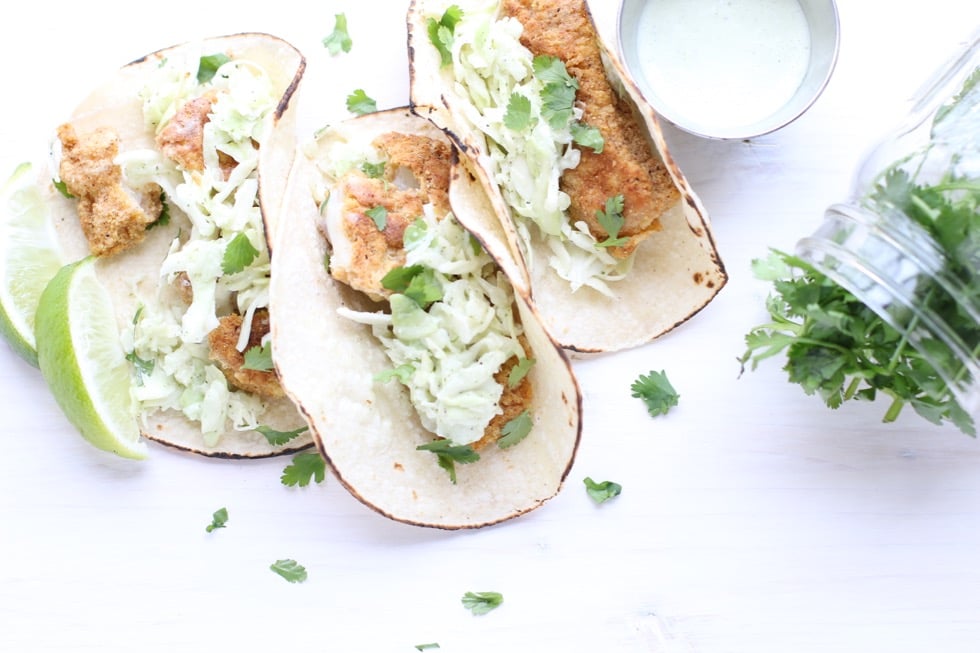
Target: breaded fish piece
column 182, row 138
column 627, row 164
column 113, row 216
column 514, row 400
column 223, row 341
column 416, row 173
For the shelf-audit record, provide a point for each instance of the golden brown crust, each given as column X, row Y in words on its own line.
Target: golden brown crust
column 514, row 400
column 113, row 216
column 627, row 164
column 223, row 341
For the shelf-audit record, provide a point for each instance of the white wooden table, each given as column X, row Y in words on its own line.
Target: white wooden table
column 752, row 518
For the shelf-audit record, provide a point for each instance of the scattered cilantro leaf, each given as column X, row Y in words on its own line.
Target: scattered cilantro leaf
column 291, row 570
column 218, row 520
column 259, row 358
column 482, row 602
column 378, row 215
column 417, row 282
column 449, row 454
column 62, row 188
column 611, row 219
column 518, row 115
column 519, row 371
column 208, row 66
column 656, row 392
column 239, row 254
column 143, row 367
column 558, row 94
column 587, row 136
column 427, row 647
column 360, row 103
column 278, row 438
column 602, row 492
column 305, row 467
column 515, row 430
column 441, row 33
column 339, row 39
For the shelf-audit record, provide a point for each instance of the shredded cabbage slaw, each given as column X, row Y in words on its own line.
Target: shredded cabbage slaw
column 170, row 340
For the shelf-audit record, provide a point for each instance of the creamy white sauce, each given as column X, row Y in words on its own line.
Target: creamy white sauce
column 718, row 65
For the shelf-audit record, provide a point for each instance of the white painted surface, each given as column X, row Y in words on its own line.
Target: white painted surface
column 753, row 519
column 719, row 66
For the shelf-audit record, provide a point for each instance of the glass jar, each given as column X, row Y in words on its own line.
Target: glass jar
column 907, row 241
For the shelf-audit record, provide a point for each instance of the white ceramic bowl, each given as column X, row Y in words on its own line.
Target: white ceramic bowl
column 729, row 68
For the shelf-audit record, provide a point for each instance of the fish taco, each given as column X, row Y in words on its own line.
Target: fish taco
column 166, row 175
column 429, row 384
column 595, row 210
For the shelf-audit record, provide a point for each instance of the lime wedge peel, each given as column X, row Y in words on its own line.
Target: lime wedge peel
column 82, row 360
column 29, row 258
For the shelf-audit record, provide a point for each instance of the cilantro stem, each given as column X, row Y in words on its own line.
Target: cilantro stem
column 893, row 410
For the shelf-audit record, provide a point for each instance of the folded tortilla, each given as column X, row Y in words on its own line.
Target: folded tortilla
column 675, row 269
column 366, row 427
column 133, row 276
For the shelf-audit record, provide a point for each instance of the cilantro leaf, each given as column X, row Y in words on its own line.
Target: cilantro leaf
column 289, row 569
column 62, row 188
column 277, row 438
column 403, row 373
column 612, row 220
column 373, row 170
column 515, row 430
column 656, row 392
column 208, row 66
column 518, row 115
column 164, row 218
column 143, row 367
column 218, row 520
column 482, row 602
column 259, row 358
column 378, row 215
column 338, row 40
column 448, row 454
column 416, row 282
column 426, row 647
column 441, row 32
column 519, row 371
column 305, row 467
column 602, row 492
column 558, row 94
column 239, row 254
column 360, row 103
column 587, row 136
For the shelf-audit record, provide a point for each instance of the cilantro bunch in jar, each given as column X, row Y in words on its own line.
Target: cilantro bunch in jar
column 882, row 301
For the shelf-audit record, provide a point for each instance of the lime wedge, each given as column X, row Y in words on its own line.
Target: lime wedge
column 81, row 358
column 29, row 258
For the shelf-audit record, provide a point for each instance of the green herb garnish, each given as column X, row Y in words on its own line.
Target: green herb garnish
column 587, row 136
column 558, row 94
column 656, row 392
column 360, row 103
column 218, row 520
column 291, row 570
column 62, row 188
column 515, row 430
column 306, row 467
column 208, row 66
column 611, row 219
column 373, row 170
column 278, row 438
column 239, row 254
column 259, row 358
column 482, row 602
column 441, row 32
column 518, row 116
column 164, row 218
column 338, row 40
column 602, row 492
column 416, row 282
column 449, row 454
column 379, row 216
column 519, row 371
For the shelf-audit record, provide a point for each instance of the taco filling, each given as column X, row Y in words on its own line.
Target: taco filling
column 198, row 340
column 565, row 148
column 446, row 317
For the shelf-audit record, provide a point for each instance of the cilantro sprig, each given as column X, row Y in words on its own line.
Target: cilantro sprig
column 360, row 103
column 219, row 519
column 441, row 32
column 656, row 391
column 304, row 469
column 339, row 39
column 611, row 219
column 449, row 453
column 239, row 254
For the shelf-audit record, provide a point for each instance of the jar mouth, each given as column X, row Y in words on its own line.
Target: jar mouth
column 893, row 266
